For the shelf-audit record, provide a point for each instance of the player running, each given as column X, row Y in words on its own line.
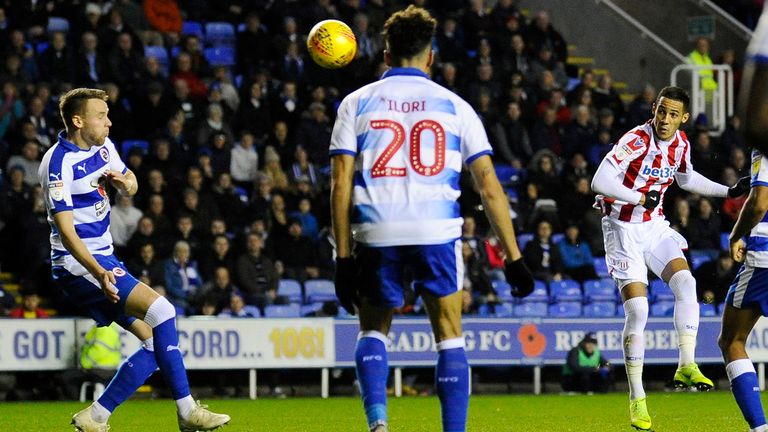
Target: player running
column 632, row 180
column 397, row 149
column 747, row 298
column 74, row 175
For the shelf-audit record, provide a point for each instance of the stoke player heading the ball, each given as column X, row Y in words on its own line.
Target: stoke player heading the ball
column 631, row 181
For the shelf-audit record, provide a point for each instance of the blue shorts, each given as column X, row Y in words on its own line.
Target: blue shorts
column 749, row 289
column 86, row 292
column 436, row 269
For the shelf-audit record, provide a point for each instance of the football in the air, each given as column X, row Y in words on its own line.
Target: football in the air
column 331, row 44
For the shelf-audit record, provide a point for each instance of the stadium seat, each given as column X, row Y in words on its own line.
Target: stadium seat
column 620, row 310
column 568, row 309
column 503, row 290
column 565, row 290
column 175, row 51
column 507, row 174
column 662, row 309
column 310, row 309
column 291, row 289
column 523, row 239
column 57, row 24
column 707, row 310
column 129, row 144
column 319, row 290
column 539, row 293
column 699, row 257
column 41, row 47
column 601, row 309
column 658, row 290
column 220, row 34
column 220, row 56
column 282, row 311
column 724, row 244
column 599, row 290
column 601, row 267
column 530, row 309
column 557, row 237
column 242, row 193
column 484, row 310
column 504, row 310
column 193, row 28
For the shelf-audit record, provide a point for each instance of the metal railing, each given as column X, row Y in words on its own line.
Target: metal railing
column 716, row 103
column 739, row 28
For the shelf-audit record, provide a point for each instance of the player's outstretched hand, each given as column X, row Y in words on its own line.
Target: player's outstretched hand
column 740, row 188
column 519, row 277
column 346, row 283
column 107, row 282
column 651, row 199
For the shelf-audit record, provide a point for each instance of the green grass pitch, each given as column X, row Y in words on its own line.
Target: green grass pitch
column 671, row 412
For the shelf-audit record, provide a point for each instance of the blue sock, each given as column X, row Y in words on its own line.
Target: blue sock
column 169, row 359
column 372, row 371
column 452, row 381
column 746, row 391
column 130, row 376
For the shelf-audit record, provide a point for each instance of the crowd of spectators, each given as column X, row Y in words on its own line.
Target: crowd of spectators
column 232, row 160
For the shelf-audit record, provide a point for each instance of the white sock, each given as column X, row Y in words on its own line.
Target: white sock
column 763, row 428
column 686, row 315
column 99, row 414
column 636, row 315
column 738, row 367
column 185, row 406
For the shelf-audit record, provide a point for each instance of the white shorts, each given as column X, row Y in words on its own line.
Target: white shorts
column 631, row 249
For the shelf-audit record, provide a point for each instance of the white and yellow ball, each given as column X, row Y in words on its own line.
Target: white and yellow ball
column 331, row 44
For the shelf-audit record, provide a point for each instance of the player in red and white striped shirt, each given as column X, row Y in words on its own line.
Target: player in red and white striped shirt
column 631, row 181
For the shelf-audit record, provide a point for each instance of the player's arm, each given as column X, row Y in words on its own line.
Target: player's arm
column 496, row 208
column 609, row 181
column 125, row 183
column 71, row 241
column 342, row 172
column 694, row 182
column 753, row 211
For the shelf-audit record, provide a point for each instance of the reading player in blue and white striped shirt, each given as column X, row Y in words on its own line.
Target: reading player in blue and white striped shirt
column 747, row 298
column 397, row 148
column 74, row 175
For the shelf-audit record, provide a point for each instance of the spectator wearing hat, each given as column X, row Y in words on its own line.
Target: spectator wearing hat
column 274, row 170
column 585, row 369
column 314, row 134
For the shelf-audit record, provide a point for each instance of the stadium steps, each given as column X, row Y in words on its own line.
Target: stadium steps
column 580, row 60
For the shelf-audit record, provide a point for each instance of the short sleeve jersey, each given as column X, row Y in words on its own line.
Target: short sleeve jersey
column 410, row 138
column 73, row 180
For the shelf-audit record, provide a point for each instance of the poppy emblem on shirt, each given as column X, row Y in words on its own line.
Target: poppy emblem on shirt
column 104, row 153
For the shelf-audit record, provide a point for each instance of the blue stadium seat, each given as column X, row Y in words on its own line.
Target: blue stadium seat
column 507, row 174
column 724, row 244
column 311, row 308
column 290, row 289
column 220, row 34
column 601, row 267
column 41, row 47
column 557, row 237
column 343, row 314
column 504, row 310
column 282, row 311
column 662, row 309
column 620, row 310
column 58, row 24
column 523, row 239
column 220, row 56
column 599, row 290
column 569, row 309
column 319, row 290
column 531, row 309
column 193, row 28
column 707, row 310
column 699, row 257
column 539, row 293
column 484, row 310
column 601, row 309
column 503, row 290
column 129, row 144
column 565, row 290
column 175, row 50
column 242, row 193
column 721, row 308
column 658, row 290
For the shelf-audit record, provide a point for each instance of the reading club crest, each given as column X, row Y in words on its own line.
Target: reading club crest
column 104, row 153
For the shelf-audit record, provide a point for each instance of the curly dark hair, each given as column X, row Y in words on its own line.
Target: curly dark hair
column 408, row 32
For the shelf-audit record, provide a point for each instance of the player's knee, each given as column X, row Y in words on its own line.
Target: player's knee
column 160, row 311
column 683, row 286
column 728, row 341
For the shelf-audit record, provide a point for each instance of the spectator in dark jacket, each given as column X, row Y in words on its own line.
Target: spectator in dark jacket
column 715, row 278
column 705, row 228
column 256, row 274
column 125, row 65
column 56, row 65
column 218, row 254
column 146, row 267
column 297, row 253
column 542, row 256
column 90, row 64
column 314, row 134
column 578, row 261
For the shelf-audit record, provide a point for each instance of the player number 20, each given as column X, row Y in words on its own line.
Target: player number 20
column 380, row 168
column 305, row 342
